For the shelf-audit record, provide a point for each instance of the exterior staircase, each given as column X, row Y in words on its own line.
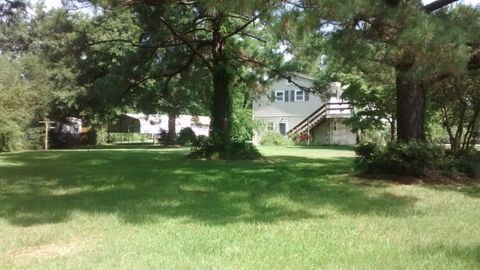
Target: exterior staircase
column 327, row 110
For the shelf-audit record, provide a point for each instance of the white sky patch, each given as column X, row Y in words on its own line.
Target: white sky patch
column 49, row 4
column 85, row 8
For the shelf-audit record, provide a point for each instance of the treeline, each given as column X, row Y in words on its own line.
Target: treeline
column 413, row 67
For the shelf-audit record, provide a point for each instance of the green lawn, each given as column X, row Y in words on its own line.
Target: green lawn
column 299, row 208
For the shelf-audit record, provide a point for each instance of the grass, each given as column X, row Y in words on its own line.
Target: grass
column 298, row 208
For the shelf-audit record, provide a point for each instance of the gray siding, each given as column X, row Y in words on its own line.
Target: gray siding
column 291, row 111
column 263, row 106
column 333, row 131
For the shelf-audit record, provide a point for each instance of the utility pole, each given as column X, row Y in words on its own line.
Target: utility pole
column 47, row 128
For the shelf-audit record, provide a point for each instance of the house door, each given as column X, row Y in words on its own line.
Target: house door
column 282, row 127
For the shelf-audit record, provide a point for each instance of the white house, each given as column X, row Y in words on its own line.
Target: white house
column 156, row 123
column 291, row 111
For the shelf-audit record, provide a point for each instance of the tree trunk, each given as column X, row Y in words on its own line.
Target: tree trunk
column 393, row 129
column 3, row 142
column 411, row 101
column 172, row 133
column 470, row 135
column 220, row 129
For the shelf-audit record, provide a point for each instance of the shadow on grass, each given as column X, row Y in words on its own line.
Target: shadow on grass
column 126, row 146
column 470, row 189
column 467, row 186
column 325, row 147
column 469, row 256
column 138, row 187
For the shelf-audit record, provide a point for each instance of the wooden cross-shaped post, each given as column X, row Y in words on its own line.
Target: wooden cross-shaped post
column 47, row 128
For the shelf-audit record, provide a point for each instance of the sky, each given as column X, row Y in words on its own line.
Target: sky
column 57, row 3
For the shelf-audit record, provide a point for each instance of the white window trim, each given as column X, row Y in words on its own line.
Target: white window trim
column 283, row 96
column 303, row 95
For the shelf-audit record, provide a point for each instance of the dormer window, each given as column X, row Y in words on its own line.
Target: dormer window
column 299, row 95
column 279, row 96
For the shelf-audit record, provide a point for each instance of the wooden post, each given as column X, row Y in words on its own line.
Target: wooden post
column 47, row 128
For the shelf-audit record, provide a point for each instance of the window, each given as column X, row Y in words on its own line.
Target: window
column 279, row 96
column 299, row 95
column 270, row 126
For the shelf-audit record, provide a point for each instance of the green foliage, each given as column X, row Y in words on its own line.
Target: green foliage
column 34, row 138
column 163, row 137
column 242, row 123
column 436, row 132
column 274, row 139
column 201, row 140
column 102, row 136
column 468, row 163
column 23, row 99
column 186, row 136
column 456, row 104
column 415, row 159
column 378, row 136
column 92, row 136
column 300, row 139
column 374, row 102
column 233, row 151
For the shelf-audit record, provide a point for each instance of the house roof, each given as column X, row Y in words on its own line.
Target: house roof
column 302, row 75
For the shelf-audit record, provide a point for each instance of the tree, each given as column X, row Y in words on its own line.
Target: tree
column 420, row 43
column 374, row 103
column 457, row 99
column 24, row 97
column 181, row 95
column 33, row 82
column 11, row 8
column 215, row 35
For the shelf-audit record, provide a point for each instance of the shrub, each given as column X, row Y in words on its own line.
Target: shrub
column 468, row 163
column 34, row 138
column 9, row 140
column 415, row 159
column 301, row 139
column 240, row 150
column 368, row 155
column 92, row 137
column 374, row 136
column 418, row 159
column 201, row 139
column 274, row 139
column 102, row 136
column 234, row 151
column 186, row 136
column 163, row 137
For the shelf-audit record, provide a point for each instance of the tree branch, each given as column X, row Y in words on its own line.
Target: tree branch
column 187, row 42
column 436, row 5
column 277, row 72
column 236, row 31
